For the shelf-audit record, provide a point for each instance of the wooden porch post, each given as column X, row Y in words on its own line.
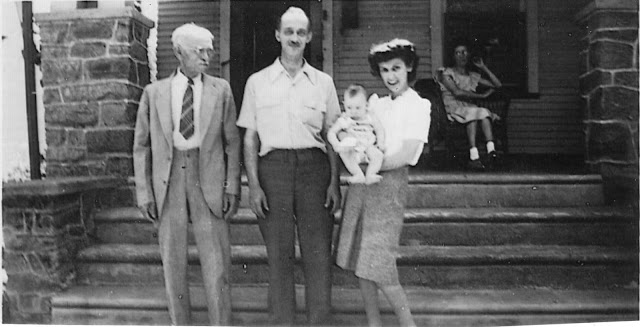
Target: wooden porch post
column 327, row 34
column 437, row 34
column 29, row 55
column 532, row 46
column 225, row 38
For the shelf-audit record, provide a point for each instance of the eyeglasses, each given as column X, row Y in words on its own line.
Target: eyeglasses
column 200, row 51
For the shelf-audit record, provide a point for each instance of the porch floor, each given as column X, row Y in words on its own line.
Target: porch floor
column 510, row 163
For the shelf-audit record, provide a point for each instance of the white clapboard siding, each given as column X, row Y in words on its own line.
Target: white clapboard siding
column 554, row 122
column 379, row 21
column 172, row 14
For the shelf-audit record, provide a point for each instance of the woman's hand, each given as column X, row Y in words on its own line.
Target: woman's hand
column 347, row 143
column 488, row 93
column 493, row 80
column 478, row 62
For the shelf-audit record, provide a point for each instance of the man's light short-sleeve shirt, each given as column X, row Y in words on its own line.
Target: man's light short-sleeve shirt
column 289, row 112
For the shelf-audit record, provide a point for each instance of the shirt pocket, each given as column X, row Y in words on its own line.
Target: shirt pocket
column 270, row 116
column 312, row 114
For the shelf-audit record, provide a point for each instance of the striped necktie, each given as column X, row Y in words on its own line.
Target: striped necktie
column 186, row 119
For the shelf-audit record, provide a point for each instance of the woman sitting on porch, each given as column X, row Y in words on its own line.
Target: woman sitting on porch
column 458, row 85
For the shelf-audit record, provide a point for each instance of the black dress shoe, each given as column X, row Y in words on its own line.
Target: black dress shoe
column 475, row 165
column 494, row 160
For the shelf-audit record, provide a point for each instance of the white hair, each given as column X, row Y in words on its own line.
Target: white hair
column 192, row 31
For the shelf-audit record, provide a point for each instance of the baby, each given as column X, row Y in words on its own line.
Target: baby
column 362, row 137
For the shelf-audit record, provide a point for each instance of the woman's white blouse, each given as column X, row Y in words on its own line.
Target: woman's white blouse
column 406, row 117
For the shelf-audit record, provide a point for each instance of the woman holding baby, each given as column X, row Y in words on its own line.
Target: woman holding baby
column 373, row 214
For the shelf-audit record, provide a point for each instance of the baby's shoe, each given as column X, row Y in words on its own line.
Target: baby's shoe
column 356, row 179
column 372, row 179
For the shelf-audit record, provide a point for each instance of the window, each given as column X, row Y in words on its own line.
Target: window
column 497, row 31
column 87, row 4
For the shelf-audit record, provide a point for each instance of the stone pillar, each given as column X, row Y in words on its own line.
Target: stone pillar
column 44, row 224
column 609, row 88
column 94, row 65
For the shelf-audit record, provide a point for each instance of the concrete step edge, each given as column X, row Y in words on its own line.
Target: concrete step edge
column 417, row 215
column 418, row 177
column 423, row 300
column 418, row 254
column 502, row 178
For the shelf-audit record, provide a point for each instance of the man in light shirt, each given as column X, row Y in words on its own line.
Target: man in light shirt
column 292, row 170
column 186, row 160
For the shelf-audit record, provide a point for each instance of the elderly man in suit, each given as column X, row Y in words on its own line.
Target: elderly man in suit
column 186, row 162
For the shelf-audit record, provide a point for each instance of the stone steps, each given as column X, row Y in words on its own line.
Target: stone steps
column 604, row 226
column 477, row 249
column 146, row 305
column 580, row 267
column 467, row 190
column 472, row 190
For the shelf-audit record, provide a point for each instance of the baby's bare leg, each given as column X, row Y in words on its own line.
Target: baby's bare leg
column 375, row 162
column 350, row 160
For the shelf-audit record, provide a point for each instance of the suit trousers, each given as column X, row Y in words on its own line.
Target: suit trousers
column 295, row 183
column 185, row 203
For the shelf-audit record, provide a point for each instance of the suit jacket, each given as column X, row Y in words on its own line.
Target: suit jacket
column 219, row 150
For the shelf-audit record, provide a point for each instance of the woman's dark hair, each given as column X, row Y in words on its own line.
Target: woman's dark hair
column 473, row 49
column 404, row 52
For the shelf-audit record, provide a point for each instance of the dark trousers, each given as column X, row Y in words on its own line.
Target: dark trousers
column 185, row 201
column 295, row 183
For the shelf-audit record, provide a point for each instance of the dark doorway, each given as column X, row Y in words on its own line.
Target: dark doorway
column 495, row 30
column 253, row 43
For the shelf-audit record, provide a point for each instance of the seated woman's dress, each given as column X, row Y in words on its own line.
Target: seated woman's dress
column 458, row 110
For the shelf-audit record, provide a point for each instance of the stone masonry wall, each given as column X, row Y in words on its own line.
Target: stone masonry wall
column 94, row 65
column 44, row 224
column 609, row 88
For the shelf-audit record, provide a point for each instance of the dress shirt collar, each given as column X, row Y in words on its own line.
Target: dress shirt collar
column 277, row 68
column 182, row 78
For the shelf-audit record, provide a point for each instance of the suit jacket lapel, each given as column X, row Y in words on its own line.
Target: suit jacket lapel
column 163, row 105
column 207, row 104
